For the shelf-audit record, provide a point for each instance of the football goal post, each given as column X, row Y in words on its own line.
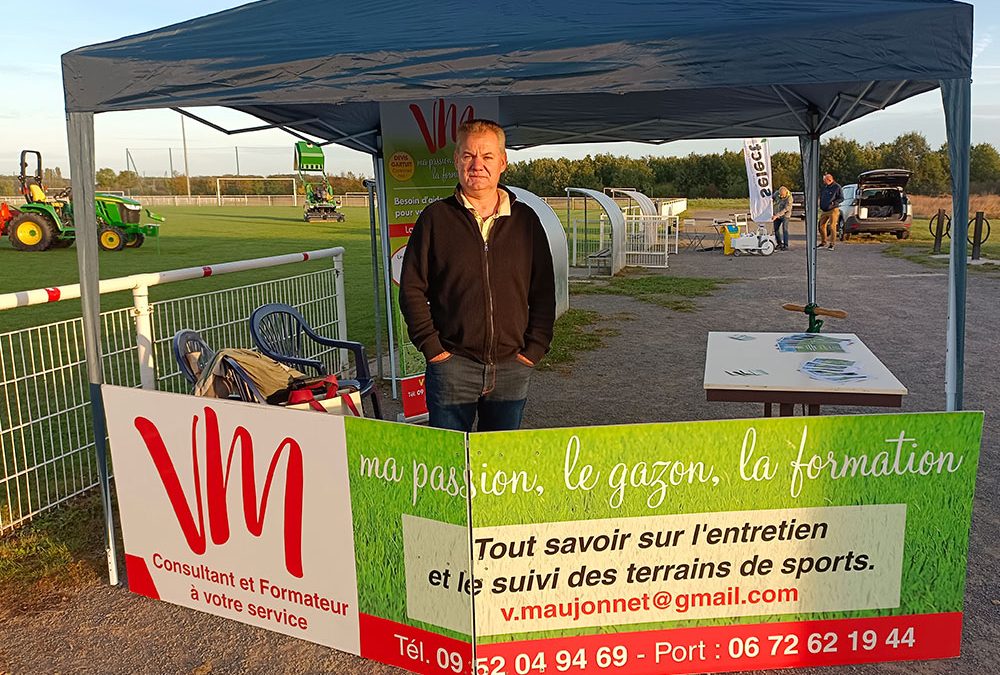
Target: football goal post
column 221, row 197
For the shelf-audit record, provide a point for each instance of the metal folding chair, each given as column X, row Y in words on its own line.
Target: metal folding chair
column 692, row 237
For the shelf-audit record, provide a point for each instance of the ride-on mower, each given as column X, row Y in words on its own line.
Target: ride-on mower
column 44, row 222
column 320, row 204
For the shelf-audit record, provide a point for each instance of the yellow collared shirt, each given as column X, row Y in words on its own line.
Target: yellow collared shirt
column 503, row 209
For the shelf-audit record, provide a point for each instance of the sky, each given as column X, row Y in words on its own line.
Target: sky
column 32, row 113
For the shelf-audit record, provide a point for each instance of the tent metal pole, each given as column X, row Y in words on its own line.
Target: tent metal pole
column 956, row 96
column 370, row 186
column 792, row 110
column 861, row 96
column 383, row 217
column 80, row 135
column 345, row 137
column 809, row 150
column 828, row 113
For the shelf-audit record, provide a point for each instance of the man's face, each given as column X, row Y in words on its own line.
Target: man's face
column 480, row 160
column 827, row 179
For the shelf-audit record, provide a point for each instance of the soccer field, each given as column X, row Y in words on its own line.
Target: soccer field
column 196, row 236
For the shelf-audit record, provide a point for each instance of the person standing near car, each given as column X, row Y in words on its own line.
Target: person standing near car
column 782, row 213
column 477, row 291
column 830, row 197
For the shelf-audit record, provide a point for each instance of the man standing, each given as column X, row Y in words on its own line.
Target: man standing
column 477, row 291
column 782, row 212
column 830, row 197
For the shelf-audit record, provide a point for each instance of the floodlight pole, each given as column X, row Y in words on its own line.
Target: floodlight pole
column 184, row 141
column 80, row 132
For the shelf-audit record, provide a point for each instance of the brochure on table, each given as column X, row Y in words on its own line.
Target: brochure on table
column 675, row 547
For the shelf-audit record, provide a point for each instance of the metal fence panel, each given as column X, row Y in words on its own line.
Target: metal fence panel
column 46, row 433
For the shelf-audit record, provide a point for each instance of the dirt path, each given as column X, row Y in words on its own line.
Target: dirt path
column 651, row 371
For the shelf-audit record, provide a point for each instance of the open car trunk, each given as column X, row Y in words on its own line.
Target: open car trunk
column 882, row 195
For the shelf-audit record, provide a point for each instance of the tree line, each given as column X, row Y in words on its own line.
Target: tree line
column 130, row 182
column 724, row 174
column 706, row 175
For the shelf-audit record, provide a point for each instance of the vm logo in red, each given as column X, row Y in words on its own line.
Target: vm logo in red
column 217, row 475
column 442, row 127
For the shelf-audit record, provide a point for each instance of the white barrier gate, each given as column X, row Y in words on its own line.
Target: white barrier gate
column 647, row 239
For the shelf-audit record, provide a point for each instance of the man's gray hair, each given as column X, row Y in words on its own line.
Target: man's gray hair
column 480, row 126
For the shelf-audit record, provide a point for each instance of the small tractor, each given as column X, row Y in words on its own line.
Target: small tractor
column 44, row 222
column 320, row 204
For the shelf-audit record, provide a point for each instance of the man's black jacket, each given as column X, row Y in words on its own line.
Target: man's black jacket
column 486, row 300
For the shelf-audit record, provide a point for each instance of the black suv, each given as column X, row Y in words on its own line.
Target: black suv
column 877, row 204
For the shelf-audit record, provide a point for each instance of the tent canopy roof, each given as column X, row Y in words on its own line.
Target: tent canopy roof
column 580, row 71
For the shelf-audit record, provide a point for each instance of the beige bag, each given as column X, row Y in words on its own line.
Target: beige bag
column 269, row 376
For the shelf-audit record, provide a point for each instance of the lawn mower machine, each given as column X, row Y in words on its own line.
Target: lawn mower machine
column 44, row 221
column 320, row 203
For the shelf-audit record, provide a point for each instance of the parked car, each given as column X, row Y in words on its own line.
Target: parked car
column 877, row 204
column 799, row 205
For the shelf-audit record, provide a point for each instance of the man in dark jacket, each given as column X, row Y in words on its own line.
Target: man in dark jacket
column 830, row 197
column 477, row 291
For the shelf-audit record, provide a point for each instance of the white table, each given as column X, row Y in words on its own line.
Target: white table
column 783, row 382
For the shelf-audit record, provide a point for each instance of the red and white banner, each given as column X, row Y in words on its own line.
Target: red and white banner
column 245, row 516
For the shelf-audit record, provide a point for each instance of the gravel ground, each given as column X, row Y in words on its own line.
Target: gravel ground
column 651, row 371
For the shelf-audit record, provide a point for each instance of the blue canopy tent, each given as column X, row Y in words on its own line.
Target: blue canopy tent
column 562, row 72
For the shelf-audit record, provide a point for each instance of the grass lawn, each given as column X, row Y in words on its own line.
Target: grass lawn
column 43, row 564
column 674, row 293
column 196, row 236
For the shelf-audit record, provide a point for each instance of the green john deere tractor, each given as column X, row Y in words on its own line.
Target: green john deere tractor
column 320, row 203
column 45, row 222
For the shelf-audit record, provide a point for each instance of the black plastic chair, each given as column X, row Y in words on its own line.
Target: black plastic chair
column 193, row 355
column 280, row 332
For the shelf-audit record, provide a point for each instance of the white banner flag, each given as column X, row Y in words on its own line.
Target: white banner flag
column 758, row 160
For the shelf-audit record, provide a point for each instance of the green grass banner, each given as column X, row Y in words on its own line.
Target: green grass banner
column 725, row 530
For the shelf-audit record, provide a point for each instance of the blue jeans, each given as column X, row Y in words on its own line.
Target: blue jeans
column 781, row 231
column 459, row 389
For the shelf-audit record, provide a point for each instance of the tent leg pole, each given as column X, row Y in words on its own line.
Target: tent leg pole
column 383, row 217
column 809, row 150
column 80, row 132
column 957, row 99
column 370, row 185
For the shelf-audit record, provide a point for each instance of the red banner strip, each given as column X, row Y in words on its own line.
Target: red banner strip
column 139, row 579
column 417, row 650
column 400, row 230
column 715, row 649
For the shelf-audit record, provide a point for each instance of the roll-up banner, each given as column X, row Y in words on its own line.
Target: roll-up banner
column 691, row 547
column 418, row 144
column 758, row 161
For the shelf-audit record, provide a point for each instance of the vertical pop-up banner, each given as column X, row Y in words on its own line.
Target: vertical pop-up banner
column 418, row 144
column 758, row 160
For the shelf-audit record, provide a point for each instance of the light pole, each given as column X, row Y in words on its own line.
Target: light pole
column 187, row 174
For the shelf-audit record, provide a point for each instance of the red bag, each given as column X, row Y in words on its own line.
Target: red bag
column 306, row 391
